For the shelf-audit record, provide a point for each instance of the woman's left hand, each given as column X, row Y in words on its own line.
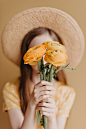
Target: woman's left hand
column 47, row 109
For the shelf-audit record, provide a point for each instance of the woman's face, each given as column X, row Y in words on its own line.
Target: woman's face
column 37, row 41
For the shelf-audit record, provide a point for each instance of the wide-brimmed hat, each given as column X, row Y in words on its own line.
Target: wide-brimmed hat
column 60, row 22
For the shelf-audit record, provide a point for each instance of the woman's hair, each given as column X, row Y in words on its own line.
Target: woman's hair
column 26, row 70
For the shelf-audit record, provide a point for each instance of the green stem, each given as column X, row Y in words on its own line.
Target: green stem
column 38, row 112
column 44, row 118
column 49, row 78
column 38, row 117
column 44, row 76
column 65, row 68
column 45, row 122
column 51, row 73
column 40, row 69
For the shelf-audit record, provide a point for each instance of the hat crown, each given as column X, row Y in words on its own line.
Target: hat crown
column 60, row 22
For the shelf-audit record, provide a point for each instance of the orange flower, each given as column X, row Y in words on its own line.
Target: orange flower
column 56, row 57
column 54, row 45
column 34, row 54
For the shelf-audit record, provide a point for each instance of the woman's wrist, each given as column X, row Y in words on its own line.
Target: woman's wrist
column 31, row 104
column 29, row 119
column 52, row 123
column 30, row 109
column 51, row 119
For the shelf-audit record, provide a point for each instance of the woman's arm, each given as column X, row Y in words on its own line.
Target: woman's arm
column 52, row 124
column 49, row 111
column 57, row 123
column 29, row 119
column 18, row 121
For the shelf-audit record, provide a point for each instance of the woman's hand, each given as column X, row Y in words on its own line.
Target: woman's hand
column 47, row 109
column 41, row 92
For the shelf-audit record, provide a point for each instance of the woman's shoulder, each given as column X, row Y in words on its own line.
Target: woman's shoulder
column 63, row 88
column 10, row 94
column 64, row 98
column 11, row 86
column 63, row 92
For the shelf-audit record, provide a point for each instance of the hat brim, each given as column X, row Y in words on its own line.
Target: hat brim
column 60, row 22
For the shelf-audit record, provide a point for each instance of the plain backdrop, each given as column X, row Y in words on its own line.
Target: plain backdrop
column 76, row 79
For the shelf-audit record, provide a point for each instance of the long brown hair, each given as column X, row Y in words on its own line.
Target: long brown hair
column 26, row 70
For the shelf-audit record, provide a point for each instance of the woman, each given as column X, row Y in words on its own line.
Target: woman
column 22, row 97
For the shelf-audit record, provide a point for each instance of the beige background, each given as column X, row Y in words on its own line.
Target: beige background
column 76, row 79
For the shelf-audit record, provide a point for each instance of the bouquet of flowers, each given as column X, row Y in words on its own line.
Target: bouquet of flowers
column 55, row 55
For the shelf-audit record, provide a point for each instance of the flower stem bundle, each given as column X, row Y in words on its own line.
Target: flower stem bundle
column 55, row 55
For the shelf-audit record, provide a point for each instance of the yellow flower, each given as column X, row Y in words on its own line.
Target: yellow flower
column 54, row 45
column 56, row 57
column 34, row 54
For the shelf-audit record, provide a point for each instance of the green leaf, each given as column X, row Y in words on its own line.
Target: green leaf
column 66, row 65
column 37, row 117
column 38, row 120
column 45, row 122
column 73, row 69
column 60, row 67
column 42, row 121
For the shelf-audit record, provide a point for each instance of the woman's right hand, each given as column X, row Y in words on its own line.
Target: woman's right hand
column 42, row 90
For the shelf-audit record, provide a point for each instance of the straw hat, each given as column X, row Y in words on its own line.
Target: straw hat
column 60, row 22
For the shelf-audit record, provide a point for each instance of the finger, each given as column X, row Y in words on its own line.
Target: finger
column 41, row 95
column 49, row 100
column 41, row 83
column 46, row 114
column 46, row 105
column 51, row 88
column 38, row 99
column 44, row 109
column 45, row 93
column 42, row 90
